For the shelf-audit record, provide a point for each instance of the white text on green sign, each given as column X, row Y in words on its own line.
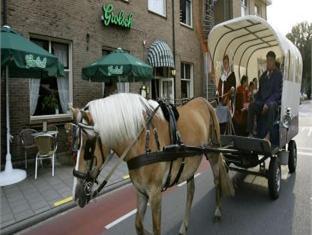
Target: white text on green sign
column 31, row 62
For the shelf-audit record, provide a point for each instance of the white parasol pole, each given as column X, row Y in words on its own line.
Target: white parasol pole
column 9, row 175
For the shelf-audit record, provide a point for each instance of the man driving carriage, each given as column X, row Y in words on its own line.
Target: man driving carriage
column 267, row 99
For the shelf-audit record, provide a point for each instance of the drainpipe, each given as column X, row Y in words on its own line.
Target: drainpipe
column 5, row 12
column 174, row 50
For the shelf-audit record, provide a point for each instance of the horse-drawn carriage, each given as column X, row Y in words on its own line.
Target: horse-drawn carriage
column 247, row 40
column 163, row 146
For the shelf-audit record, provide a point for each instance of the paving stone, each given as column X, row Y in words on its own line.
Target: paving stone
column 23, row 215
column 20, row 208
column 6, row 223
column 42, row 209
column 6, row 217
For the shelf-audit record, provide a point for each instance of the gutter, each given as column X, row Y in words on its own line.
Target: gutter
column 174, row 50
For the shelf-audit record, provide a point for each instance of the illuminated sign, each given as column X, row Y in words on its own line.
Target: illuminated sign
column 120, row 19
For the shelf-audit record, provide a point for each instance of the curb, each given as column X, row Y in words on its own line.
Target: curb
column 36, row 219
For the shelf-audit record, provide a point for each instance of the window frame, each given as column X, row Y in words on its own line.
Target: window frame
column 161, row 79
column 258, row 10
column 244, row 7
column 62, row 116
column 191, row 17
column 157, row 13
column 191, row 80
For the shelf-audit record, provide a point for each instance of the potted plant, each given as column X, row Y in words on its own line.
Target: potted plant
column 50, row 104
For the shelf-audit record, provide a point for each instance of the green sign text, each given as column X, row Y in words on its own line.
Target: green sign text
column 119, row 19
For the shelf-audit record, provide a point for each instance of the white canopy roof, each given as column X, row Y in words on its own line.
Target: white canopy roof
column 248, row 38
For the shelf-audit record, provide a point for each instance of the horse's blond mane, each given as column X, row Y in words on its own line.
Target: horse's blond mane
column 119, row 117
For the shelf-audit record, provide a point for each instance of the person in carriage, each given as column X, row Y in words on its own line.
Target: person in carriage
column 267, row 99
column 225, row 93
column 227, row 83
column 241, row 107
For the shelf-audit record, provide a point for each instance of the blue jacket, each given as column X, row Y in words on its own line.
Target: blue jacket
column 270, row 88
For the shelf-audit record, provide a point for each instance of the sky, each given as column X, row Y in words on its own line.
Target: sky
column 283, row 14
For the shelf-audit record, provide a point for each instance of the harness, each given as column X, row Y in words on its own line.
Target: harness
column 90, row 177
column 169, row 153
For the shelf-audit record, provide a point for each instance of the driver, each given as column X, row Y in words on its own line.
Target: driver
column 267, row 98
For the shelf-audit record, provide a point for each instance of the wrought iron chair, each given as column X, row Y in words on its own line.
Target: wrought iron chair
column 27, row 140
column 47, row 147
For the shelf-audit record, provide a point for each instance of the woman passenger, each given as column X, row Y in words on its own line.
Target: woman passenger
column 241, row 107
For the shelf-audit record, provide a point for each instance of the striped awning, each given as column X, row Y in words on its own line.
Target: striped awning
column 160, row 55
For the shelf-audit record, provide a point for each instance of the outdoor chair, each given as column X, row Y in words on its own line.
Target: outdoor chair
column 27, row 140
column 47, row 146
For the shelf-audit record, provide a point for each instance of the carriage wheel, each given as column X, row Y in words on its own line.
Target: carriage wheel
column 292, row 159
column 274, row 178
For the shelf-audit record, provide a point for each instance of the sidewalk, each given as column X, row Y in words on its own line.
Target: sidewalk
column 31, row 197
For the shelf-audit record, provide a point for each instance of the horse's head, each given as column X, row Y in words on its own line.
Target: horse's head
column 90, row 158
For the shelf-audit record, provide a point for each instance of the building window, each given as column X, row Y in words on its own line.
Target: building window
column 258, row 10
column 162, row 85
column 157, row 6
column 186, row 80
column 186, row 12
column 50, row 96
column 244, row 7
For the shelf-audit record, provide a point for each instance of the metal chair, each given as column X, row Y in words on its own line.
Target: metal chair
column 27, row 140
column 47, row 147
column 53, row 128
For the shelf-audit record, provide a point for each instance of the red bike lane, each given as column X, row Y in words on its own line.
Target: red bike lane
column 96, row 215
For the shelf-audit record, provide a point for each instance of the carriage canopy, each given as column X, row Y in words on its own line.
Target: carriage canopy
column 246, row 40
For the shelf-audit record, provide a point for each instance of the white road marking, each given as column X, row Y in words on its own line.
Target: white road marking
column 184, row 182
column 305, row 153
column 305, row 148
column 117, row 221
column 306, row 129
column 120, row 219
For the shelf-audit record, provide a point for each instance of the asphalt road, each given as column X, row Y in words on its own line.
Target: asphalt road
column 250, row 211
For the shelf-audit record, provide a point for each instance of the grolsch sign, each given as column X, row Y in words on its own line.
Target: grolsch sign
column 110, row 17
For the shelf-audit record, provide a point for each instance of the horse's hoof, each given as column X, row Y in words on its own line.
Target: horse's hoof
column 217, row 215
column 183, row 233
column 147, row 232
column 216, row 219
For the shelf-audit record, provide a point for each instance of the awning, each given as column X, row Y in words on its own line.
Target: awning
column 160, row 55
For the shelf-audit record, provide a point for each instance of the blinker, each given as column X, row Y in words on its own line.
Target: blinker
column 89, row 149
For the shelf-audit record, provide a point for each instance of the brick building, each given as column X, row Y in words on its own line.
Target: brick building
column 76, row 33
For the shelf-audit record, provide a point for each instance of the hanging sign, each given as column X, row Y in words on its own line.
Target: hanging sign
column 120, row 18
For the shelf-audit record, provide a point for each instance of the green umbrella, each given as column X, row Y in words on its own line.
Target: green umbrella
column 119, row 66
column 22, row 58
column 26, row 59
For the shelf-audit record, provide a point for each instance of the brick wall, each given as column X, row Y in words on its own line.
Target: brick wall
column 71, row 20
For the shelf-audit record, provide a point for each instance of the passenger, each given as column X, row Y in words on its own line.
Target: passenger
column 267, row 98
column 251, row 92
column 241, row 107
column 227, row 83
column 255, row 83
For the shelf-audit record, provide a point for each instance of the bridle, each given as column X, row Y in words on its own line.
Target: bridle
column 90, row 177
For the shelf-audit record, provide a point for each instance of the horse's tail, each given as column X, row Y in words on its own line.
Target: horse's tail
column 225, row 181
